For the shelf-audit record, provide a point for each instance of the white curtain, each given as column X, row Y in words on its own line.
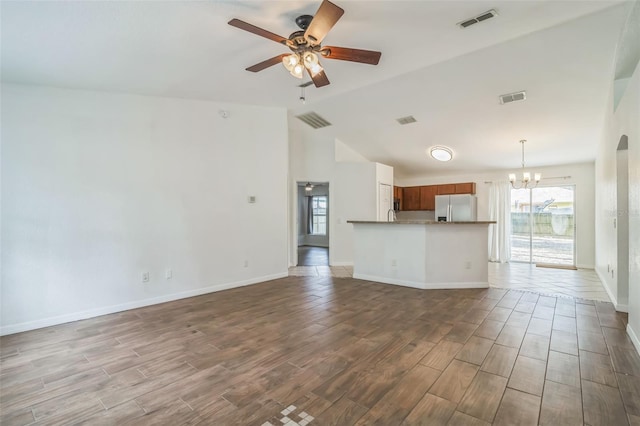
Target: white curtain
column 500, row 211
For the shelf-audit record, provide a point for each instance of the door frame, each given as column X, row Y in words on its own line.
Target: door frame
column 575, row 224
column 294, row 222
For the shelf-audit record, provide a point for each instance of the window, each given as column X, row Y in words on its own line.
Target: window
column 319, row 215
column 543, row 225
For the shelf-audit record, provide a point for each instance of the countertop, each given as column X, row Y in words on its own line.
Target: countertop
column 421, row 222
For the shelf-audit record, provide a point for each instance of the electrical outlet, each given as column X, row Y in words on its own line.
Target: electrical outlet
column 246, row 263
column 168, row 274
column 145, row 277
column 394, row 262
column 467, row 265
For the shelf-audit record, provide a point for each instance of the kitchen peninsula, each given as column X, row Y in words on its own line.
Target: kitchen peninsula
column 422, row 254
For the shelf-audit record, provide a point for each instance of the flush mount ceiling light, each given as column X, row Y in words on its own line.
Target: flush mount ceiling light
column 526, row 176
column 441, row 153
column 308, row 187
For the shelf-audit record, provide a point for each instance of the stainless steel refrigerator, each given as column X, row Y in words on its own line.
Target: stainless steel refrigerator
column 456, row 208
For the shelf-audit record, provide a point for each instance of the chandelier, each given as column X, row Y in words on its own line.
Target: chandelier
column 526, row 176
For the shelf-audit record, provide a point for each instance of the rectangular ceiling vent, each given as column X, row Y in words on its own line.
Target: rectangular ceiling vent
column 482, row 17
column 406, row 120
column 314, row 120
column 513, row 97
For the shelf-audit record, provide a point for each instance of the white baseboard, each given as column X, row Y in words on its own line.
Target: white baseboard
column 421, row 285
column 621, row 308
column 76, row 316
column 634, row 337
column 604, row 283
column 585, row 267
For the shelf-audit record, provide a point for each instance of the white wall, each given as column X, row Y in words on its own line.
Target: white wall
column 344, row 153
column 355, row 198
column 622, row 226
column 623, row 122
column 582, row 176
column 97, row 188
column 353, row 186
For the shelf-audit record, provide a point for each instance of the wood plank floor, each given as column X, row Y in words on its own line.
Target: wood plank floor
column 313, row 256
column 330, row 351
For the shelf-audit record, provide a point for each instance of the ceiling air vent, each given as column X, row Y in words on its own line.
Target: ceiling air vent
column 512, row 97
column 406, row 120
column 314, row 120
column 482, row 17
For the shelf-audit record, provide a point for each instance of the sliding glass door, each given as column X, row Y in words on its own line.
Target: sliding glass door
column 543, row 225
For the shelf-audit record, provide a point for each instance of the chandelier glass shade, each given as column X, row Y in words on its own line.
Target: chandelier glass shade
column 526, row 181
column 296, row 63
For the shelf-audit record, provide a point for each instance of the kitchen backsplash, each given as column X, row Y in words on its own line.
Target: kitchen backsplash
column 416, row 215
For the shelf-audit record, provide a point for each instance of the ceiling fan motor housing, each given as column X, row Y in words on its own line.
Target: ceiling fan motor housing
column 303, row 21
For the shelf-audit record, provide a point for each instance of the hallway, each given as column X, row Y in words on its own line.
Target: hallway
column 313, row 256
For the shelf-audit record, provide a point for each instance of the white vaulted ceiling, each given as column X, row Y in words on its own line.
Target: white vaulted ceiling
column 560, row 52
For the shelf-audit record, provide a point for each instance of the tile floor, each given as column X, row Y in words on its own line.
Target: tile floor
column 313, row 256
column 581, row 284
column 289, row 415
column 321, row 271
column 330, row 351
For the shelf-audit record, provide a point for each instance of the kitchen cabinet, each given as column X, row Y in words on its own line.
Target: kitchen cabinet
column 397, row 196
column 465, row 188
column 411, row 198
column 424, row 197
column 447, row 189
column 428, row 197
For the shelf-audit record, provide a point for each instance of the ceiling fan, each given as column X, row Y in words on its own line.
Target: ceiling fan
column 306, row 45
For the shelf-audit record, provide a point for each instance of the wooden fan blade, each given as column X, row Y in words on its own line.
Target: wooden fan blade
column 347, row 54
column 325, row 18
column 257, row 30
column 320, row 79
column 268, row 63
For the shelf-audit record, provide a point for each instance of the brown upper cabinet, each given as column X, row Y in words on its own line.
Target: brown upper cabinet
column 411, row 198
column 398, row 196
column 446, row 189
column 465, row 188
column 424, row 197
column 428, row 197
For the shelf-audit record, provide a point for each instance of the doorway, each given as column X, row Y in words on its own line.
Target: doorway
column 385, row 201
column 543, row 226
column 313, row 224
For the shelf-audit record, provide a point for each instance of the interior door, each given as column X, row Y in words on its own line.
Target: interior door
column 385, row 201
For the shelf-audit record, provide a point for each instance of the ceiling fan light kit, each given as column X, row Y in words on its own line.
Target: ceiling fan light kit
column 526, row 176
column 294, row 64
column 306, row 45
